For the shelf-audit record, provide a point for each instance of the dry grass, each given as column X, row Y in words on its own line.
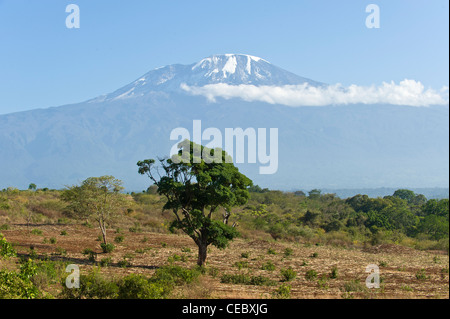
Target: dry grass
column 147, row 251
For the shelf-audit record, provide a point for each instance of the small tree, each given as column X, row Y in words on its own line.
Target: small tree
column 195, row 189
column 32, row 187
column 96, row 197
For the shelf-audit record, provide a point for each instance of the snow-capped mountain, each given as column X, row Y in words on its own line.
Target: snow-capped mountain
column 350, row 146
column 233, row 69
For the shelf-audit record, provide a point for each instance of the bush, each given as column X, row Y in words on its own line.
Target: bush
column 139, row 287
column 119, row 239
column 175, row 275
column 105, row 262
column 36, row 232
column 311, row 275
column 271, row 251
column 334, row 272
column 245, row 255
column 6, row 249
column 16, row 286
column 288, row 274
column 92, row 286
column 283, row 292
column 269, row 266
column 421, row 274
column 107, row 248
column 241, row 264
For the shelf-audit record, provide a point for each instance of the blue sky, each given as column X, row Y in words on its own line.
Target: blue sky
column 43, row 64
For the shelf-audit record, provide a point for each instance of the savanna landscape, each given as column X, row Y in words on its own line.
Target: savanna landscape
column 259, row 243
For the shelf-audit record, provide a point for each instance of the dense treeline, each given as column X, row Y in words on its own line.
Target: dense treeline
column 402, row 218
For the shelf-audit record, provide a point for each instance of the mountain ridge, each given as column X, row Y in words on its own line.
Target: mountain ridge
column 350, row 146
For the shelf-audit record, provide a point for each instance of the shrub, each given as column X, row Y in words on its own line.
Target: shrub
column 283, row 292
column 175, row 275
column 124, row 263
column 311, row 275
column 354, row 286
column 63, row 233
column 105, row 262
column 6, row 249
column 314, row 255
column 119, row 239
column 288, row 274
column 139, row 287
column 53, row 240
column 4, row 227
column 271, row 251
column 334, row 272
column 421, row 274
column 322, row 283
column 107, row 248
column 92, row 286
column 36, row 232
column 245, row 255
column 269, row 266
column 241, row 264
column 87, row 251
column 16, row 286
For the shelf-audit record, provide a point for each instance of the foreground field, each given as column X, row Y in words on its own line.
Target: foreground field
column 405, row 272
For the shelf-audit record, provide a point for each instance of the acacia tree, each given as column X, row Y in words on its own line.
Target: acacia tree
column 195, row 189
column 98, row 198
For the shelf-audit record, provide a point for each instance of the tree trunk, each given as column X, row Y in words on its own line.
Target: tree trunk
column 103, row 229
column 202, row 253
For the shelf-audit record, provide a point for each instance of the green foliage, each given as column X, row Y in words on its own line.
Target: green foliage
column 422, row 275
column 195, row 187
column 287, row 274
column 37, row 232
column 311, row 275
column 119, row 239
column 241, row 264
column 16, row 286
column 92, row 286
column 282, row 292
column 334, row 273
column 136, row 286
column 107, row 248
column 105, row 262
column 269, row 266
column 6, row 249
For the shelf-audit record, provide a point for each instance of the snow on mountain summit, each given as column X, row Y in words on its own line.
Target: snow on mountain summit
column 231, row 69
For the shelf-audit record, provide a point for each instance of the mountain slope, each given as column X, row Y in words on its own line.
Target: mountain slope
column 334, row 147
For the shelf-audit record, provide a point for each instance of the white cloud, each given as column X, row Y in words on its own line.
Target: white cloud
column 407, row 92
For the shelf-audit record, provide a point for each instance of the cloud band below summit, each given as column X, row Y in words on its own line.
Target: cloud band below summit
column 407, row 92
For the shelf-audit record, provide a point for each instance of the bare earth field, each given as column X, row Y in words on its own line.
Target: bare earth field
column 148, row 251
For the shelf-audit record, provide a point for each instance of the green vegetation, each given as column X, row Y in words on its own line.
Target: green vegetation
column 195, row 189
column 287, row 274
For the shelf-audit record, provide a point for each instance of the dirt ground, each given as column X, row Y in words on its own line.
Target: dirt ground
column 146, row 252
